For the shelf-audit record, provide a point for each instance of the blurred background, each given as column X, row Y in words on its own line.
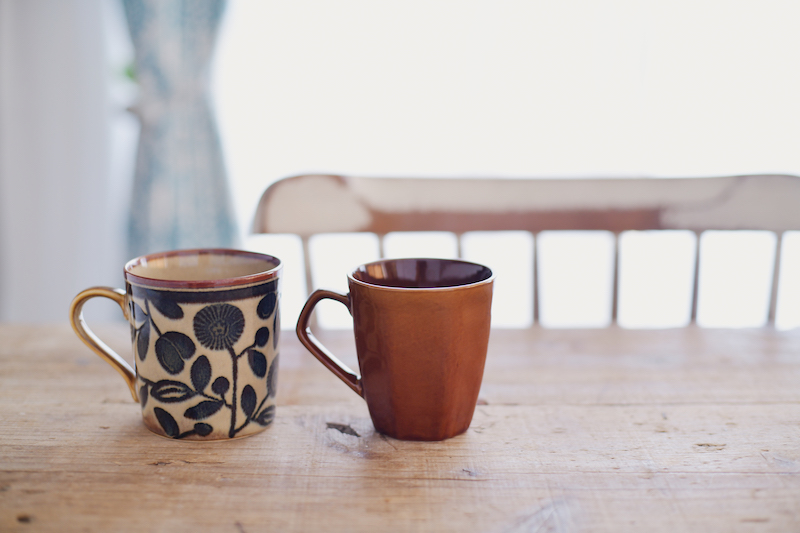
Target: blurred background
column 443, row 88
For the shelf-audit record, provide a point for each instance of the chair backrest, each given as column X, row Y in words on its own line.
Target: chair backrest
column 313, row 204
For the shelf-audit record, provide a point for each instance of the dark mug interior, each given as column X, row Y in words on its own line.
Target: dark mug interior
column 421, row 273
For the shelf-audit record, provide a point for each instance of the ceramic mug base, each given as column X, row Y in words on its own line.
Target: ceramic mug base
column 425, row 435
column 191, row 434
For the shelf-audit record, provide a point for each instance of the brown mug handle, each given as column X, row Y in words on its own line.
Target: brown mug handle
column 331, row 362
column 92, row 341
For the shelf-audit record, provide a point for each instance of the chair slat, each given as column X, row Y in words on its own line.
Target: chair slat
column 776, row 276
column 535, row 273
column 696, row 281
column 615, row 281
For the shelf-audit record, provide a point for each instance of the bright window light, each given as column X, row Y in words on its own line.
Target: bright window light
column 576, row 275
column 517, row 88
column 439, row 244
column 333, row 257
column 510, row 256
column 656, row 278
column 735, row 278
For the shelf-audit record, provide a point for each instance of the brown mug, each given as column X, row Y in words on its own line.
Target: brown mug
column 422, row 330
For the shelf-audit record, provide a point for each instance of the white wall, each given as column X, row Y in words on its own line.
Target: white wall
column 61, row 214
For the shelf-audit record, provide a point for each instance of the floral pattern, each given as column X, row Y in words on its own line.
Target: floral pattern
column 219, row 326
column 210, row 389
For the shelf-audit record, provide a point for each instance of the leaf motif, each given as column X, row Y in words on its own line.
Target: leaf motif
column 276, row 329
column 203, row 409
column 267, row 305
column 272, row 378
column 138, row 313
column 168, row 391
column 203, row 429
column 143, row 395
column 248, row 400
column 258, row 362
column 266, row 416
column 168, row 423
column 167, row 307
column 201, row 373
column 171, row 348
column 143, row 342
column 220, row 385
column 262, row 336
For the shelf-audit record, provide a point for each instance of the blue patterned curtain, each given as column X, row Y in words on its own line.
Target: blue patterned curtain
column 181, row 197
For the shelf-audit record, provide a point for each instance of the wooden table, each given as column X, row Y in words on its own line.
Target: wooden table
column 602, row 430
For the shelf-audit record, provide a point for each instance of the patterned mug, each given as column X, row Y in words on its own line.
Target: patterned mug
column 204, row 327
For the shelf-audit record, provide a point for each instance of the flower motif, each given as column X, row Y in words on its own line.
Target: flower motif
column 218, row 326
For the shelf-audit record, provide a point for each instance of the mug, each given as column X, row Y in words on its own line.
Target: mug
column 422, row 330
column 204, row 328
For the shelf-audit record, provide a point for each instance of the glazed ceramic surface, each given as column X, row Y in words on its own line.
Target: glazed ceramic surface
column 205, row 327
column 422, row 331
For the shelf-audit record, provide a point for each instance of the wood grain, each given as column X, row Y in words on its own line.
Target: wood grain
column 603, row 430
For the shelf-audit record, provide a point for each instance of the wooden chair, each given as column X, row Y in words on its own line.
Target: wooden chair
column 312, row 204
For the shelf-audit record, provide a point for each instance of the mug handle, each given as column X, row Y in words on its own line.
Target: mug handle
column 341, row 370
column 92, row 341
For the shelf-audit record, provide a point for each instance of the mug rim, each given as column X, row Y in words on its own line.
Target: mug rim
column 258, row 277
column 487, row 280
